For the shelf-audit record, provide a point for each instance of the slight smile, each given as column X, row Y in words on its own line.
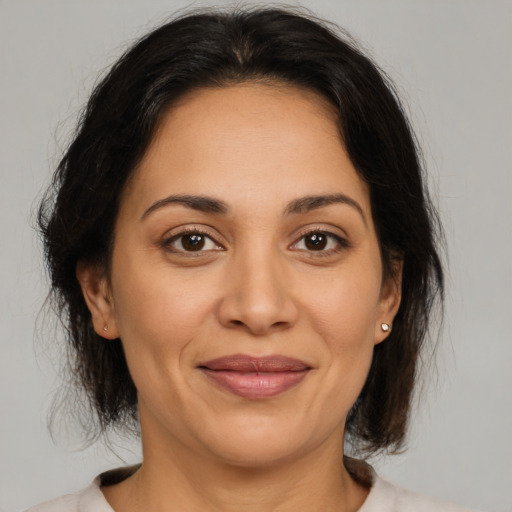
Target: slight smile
column 255, row 377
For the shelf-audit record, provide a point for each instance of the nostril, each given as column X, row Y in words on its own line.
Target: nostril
column 240, row 323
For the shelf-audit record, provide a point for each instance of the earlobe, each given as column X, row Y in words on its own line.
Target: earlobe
column 391, row 295
column 96, row 292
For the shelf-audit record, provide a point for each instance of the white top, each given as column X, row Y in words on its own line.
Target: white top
column 383, row 497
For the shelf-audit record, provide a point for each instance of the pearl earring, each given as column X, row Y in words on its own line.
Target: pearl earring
column 385, row 327
column 105, row 328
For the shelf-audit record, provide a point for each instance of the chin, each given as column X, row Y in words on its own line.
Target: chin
column 256, row 453
column 259, row 442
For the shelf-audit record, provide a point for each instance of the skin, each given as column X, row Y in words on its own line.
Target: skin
column 256, row 288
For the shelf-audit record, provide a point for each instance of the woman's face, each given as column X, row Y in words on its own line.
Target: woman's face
column 246, row 282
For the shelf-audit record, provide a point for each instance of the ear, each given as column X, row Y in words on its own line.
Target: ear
column 389, row 302
column 96, row 291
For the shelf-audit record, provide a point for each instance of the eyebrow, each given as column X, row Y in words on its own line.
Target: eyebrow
column 308, row 203
column 199, row 203
column 297, row 206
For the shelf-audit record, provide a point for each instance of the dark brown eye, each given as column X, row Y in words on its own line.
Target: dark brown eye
column 193, row 242
column 321, row 242
column 316, row 241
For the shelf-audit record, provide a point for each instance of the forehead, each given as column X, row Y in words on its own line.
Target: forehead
column 269, row 143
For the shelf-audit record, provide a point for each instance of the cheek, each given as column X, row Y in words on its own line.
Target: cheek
column 157, row 309
column 344, row 307
column 343, row 314
column 160, row 317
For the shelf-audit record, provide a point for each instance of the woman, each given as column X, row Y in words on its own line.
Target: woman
column 244, row 250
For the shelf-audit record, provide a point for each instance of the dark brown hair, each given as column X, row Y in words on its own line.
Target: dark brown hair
column 214, row 49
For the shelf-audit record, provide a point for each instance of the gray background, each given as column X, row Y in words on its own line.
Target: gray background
column 450, row 58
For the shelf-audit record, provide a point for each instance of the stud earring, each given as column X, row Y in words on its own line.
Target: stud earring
column 385, row 327
column 105, row 328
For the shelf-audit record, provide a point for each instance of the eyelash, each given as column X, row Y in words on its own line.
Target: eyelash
column 167, row 242
column 341, row 242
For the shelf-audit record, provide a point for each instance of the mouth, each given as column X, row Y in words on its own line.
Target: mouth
column 255, row 377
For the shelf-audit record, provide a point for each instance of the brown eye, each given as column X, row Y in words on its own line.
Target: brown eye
column 316, row 241
column 193, row 242
column 321, row 242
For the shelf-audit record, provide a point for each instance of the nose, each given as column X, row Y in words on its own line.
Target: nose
column 258, row 296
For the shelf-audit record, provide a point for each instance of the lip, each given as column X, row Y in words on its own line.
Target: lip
column 255, row 377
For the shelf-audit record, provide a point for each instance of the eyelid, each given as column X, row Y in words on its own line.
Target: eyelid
column 181, row 231
column 340, row 238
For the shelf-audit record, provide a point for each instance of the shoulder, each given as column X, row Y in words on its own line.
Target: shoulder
column 90, row 499
column 386, row 497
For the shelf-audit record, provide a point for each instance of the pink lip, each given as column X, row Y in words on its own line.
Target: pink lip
column 255, row 377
